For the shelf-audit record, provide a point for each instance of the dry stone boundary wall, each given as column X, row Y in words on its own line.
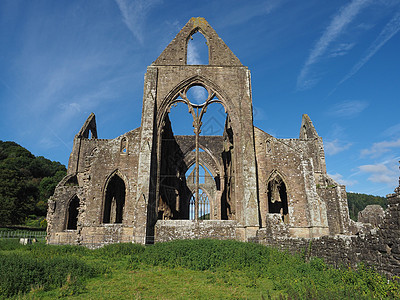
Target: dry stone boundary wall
column 379, row 248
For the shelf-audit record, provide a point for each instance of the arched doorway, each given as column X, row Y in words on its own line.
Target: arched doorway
column 72, row 214
column 114, row 200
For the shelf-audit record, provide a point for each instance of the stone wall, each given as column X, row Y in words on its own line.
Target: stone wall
column 379, row 248
column 167, row 230
column 372, row 214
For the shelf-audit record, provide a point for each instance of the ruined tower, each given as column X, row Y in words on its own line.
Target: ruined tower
column 152, row 184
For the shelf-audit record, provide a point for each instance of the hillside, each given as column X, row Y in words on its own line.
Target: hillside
column 26, row 182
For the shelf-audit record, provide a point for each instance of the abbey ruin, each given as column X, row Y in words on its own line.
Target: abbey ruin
column 150, row 185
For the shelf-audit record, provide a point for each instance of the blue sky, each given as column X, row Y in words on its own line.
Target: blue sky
column 337, row 61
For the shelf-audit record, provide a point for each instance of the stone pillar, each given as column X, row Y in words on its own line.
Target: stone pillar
column 145, row 192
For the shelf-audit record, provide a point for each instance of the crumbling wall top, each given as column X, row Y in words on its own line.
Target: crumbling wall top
column 176, row 51
column 307, row 130
column 89, row 126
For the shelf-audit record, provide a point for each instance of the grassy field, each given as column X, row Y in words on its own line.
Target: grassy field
column 198, row 269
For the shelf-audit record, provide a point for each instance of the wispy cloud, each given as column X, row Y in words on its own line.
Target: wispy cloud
column 134, row 14
column 193, row 57
column 391, row 28
column 341, row 50
column 335, row 146
column 339, row 23
column 339, row 179
column 393, row 130
column 380, row 173
column 380, row 148
column 259, row 113
column 247, row 11
column 348, row 109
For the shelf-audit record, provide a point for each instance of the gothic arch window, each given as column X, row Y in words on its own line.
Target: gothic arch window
column 198, row 112
column 72, row 214
column 277, row 197
column 124, row 146
column 114, row 200
column 203, row 207
column 197, row 52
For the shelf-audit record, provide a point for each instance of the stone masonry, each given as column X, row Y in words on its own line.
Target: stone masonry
column 378, row 247
column 146, row 185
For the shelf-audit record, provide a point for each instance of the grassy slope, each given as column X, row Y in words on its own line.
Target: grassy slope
column 178, row 283
column 200, row 269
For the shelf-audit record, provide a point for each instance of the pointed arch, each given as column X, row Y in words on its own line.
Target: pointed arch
column 114, row 199
column 205, row 205
column 71, row 218
column 189, row 40
column 189, row 160
column 196, row 80
column 278, row 195
column 124, row 145
column 175, row 52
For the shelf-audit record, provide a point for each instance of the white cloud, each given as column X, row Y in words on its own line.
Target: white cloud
column 339, row 179
column 259, row 113
column 386, row 34
column 378, row 149
column 393, row 130
column 379, row 173
column 193, row 57
column 335, row 146
column 197, row 94
column 332, row 32
column 247, row 11
column 342, row 49
column 349, row 108
column 134, row 14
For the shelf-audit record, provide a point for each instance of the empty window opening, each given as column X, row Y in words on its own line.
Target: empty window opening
column 72, row 218
column 204, row 174
column 114, row 201
column 197, row 50
column 195, row 113
column 123, row 145
column 181, row 119
column 277, row 198
column 213, row 121
column 197, row 94
column 204, row 206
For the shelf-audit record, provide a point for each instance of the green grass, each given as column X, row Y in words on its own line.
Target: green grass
column 198, row 269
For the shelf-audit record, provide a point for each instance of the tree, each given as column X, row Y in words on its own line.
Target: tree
column 26, row 182
column 357, row 202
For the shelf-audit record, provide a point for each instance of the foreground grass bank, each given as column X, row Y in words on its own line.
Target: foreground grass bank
column 180, row 269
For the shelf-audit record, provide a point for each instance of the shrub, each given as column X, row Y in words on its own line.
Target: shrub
column 298, row 278
column 23, row 271
column 208, row 255
column 9, row 244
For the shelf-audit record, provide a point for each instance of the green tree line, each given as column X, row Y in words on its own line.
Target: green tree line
column 357, row 202
column 26, row 183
